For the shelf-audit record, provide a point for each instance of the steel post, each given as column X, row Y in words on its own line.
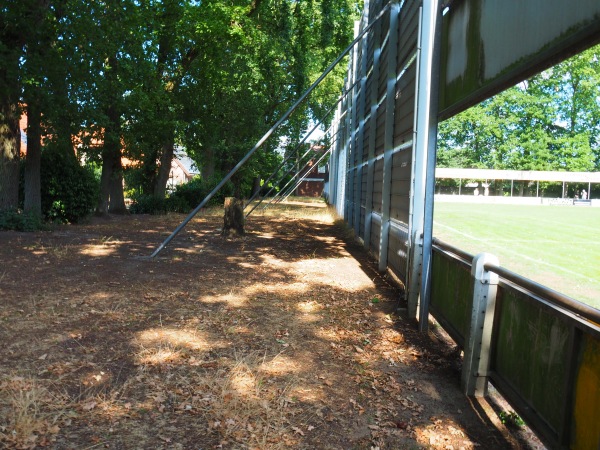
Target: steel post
column 374, row 105
column 478, row 341
column 430, row 172
column 390, row 100
column 423, row 133
column 362, row 50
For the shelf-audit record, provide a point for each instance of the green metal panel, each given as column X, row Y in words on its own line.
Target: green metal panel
column 531, row 353
column 451, row 295
column 488, row 45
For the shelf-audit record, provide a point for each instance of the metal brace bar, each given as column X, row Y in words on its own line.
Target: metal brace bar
column 262, row 140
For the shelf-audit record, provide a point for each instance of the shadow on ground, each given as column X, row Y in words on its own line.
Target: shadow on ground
column 283, row 338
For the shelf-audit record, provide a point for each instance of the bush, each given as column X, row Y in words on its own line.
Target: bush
column 69, row 190
column 184, row 199
column 148, row 204
column 195, row 190
column 20, row 221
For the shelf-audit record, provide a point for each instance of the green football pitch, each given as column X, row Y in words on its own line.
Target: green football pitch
column 557, row 246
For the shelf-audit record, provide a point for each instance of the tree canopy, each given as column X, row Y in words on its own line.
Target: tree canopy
column 136, row 79
column 549, row 122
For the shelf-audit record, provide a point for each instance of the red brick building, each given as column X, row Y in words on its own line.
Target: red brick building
column 316, row 176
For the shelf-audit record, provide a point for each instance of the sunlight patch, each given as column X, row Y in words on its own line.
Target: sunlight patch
column 97, row 250
column 230, row 298
column 309, row 307
column 317, row 269
column 280, row 365
column 167, row 345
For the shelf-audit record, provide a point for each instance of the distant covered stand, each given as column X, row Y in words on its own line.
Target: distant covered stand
column 579, row 178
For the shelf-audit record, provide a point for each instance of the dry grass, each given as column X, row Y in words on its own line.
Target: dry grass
column 269, row 341
column 242, row 403
column 29, row 413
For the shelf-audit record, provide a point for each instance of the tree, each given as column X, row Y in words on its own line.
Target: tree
column 12, row 41
column 263, row 63
column 549, row 122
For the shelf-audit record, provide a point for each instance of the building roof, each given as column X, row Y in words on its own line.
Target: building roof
column 518, row 175
column 186, row 162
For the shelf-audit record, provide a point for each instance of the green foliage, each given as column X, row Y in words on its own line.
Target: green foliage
column 511, row 419
column 210, row 76
column 19, row 220
column 194, row 191
column 148, row 204
column 185, row 197
column 549, row 122
column 69, row 190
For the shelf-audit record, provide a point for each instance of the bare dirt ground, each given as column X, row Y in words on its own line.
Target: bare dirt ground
column 283, row 338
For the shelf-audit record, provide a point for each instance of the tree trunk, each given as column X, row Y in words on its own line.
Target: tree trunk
column 33, row 162
column 111, row 181
column 103, row 201
column 233, row 221
column 208, row 166
column 10, row 140
column 256, row 185
column 166, row 159
column 117, row 197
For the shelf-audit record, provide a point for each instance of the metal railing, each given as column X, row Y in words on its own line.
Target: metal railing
column 538, row 347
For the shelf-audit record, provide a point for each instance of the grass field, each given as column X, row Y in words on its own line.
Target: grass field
column 558, row 246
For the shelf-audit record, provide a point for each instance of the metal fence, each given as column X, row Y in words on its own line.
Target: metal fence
column 371, row 162
column 539, row 348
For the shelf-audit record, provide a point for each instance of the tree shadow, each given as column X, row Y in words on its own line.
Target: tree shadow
column 285, row 337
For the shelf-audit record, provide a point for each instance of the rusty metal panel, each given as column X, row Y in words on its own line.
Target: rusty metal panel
column 375, row 233
column 405, row 106
column 397, row 251
column 366, row 137
column 401, row 182
column 489, row 45
column 377, row 185
column 375, row 7
column 380, row 129
column 368, row 89
column 382, row 82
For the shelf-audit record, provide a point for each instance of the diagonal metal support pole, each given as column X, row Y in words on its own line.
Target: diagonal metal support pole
column 286, row 189
column 276, row 197
column 318, row 124
column 277, row 183
column 261, row 141
column 287, row 172
column 289, row 192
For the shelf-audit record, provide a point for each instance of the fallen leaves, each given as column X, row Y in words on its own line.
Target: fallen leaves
column 287, row 359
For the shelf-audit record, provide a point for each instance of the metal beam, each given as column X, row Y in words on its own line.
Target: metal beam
column 390, row 101
column 262, row 140
column 374, row 105
column 423, row 131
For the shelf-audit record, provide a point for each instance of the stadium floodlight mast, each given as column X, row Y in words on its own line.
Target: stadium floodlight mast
column 262, row 140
